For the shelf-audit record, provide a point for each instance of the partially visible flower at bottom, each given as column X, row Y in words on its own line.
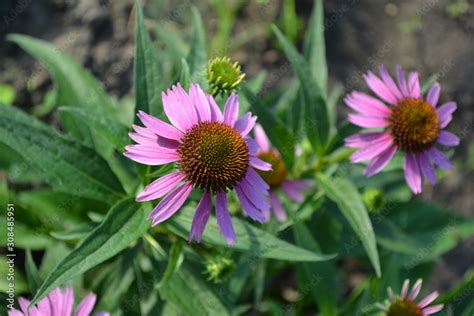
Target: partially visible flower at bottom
column 409, row 122
column 277, row 177
column 57, row 303
column 405, row 304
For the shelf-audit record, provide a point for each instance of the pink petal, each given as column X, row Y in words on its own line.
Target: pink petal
column 379, row 88
column 428, row 300
column 367, row 122
column 432, row 309
column 365, row 106
column 254, row 178
column 55, row 299
column 364, row 139
column 277, row 208
column 292, row 191
column 160, row 187
column 245, row 124
column 433, row 95
column 252, row 146
column 253, row 195
column 223, row 218
column 261, row 138
column 387, row 79
column 201, row 216
column 381, row 161
column 445, row 113
column 170, row 204
column 248, row 207
column 404, row 292
column 159, row 127
column 300, row 184
column 24, row 303
column 200, row 102
column 15, row 312
column 216, row 114
column 373, row 149
column 413, row 173
column 86, row 306
column 448, row 139
column 415, row 290
column 260, row 164
column 179, row 108
column 167, row 143
column 231, row 109
column 402, row 83
column 414, row 85
column 426, row 167
column 146, row 159
column 68, row 301
column 439, row 158
column 143, row 139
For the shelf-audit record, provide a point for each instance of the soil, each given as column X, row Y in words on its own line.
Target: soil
column 418, row 34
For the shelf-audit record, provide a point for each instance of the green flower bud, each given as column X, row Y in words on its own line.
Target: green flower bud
column 219, row 268
column 373, row 199
column 223, row 76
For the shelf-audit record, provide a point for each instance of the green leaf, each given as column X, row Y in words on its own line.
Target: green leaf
column 112, row 130
column 320, row 277
column 148, row 81
column 276, row 130
column 76, row 86
column 316, row 114
column 174, row 261
column 124, row 223
column 64, row 164
column 345, row 194
column 32, row 274
column 197, row 56
column 191, row 294
column 185, row 76
column 315, row 47
column 249, row 239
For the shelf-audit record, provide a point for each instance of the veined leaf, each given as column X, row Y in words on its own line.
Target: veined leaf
column 124, row 223
column 315, row 47
column 279, row 135
column 345, row 194
column 316, row 116
column 197, row 56
column 148, row 81
column 114, row 131
column 32, row 274
column 64, row 164
column 76, row 86
column 249, row 239
column 191, row 293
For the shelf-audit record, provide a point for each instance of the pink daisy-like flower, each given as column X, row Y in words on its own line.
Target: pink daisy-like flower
column 57, row 303
column 410, row 123
column 277, row 177
column 213, row 153
column 405, row 305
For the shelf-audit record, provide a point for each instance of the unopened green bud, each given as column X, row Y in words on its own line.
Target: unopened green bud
column 223, row 76
column 373, row 199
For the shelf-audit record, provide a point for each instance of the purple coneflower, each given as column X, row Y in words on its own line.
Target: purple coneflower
column 277, row 177
column 410, row 123
column 212, row 153
column 57, row 303
column 405, row 305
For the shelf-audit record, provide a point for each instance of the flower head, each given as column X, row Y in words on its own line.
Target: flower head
column 405, row 304
column 213, row 154
column 407, row 122
column 57, row 303
column 277, row 177
column 223, row 75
